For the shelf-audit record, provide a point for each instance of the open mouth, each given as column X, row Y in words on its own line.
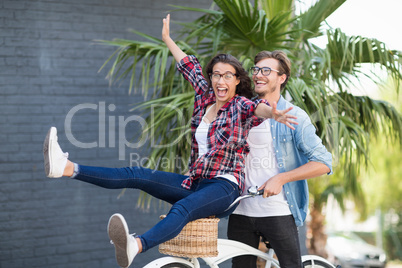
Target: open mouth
column 221, row 92
column 260, row 83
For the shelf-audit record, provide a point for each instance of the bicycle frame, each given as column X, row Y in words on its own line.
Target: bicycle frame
column 229, row 248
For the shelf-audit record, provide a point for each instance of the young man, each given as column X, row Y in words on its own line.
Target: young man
column 280, row 161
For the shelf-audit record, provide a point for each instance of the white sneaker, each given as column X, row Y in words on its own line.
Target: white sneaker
column 126, row 247
column 55, row 159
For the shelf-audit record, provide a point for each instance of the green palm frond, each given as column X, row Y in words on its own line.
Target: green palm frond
column 311, row 20
column 347, row 53
column 273, row 7
column 376, row 117
column 241, row 29
column 152, row 56
column 248, row 30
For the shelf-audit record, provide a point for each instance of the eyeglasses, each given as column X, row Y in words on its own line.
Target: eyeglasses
column 264, row 70
column 228, row 76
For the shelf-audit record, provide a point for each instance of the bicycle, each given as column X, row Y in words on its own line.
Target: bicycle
column 228, row 249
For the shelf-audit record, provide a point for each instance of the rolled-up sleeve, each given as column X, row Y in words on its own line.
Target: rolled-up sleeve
column 191, row 70
column 310, row 144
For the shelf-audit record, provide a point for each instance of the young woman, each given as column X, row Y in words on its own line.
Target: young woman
column 220, row 124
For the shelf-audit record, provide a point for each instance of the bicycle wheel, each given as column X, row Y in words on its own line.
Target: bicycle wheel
column 316, row 264
column 176, row 265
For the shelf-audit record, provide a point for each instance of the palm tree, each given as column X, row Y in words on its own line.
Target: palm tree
column 319, row 84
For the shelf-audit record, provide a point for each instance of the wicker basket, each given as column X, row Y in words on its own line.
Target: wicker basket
column 198, row 238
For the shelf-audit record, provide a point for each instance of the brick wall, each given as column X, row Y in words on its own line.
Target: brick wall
column 48, row 65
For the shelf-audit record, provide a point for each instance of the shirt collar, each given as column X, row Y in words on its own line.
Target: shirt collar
column 228, row 103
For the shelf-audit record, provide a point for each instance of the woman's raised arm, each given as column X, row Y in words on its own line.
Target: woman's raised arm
column 281, row 116
column 178, row 54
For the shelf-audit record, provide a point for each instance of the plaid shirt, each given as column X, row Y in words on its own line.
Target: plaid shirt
column 226, row 142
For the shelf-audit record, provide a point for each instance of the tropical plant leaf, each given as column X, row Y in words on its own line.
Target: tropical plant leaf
column 349, row 52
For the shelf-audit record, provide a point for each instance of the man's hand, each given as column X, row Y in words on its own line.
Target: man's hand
column 273, row 186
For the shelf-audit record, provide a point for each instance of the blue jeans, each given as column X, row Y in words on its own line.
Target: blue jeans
column 281, row 232
column 205, row 198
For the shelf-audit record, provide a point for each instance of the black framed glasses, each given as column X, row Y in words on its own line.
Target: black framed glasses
column 228, row 76
column 264, row 70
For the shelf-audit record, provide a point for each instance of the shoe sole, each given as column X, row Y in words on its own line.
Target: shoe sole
column 118, row 231
column 46, row 150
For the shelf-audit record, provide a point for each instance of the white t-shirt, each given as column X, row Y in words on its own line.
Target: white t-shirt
column 201, row 135
column 261, row 165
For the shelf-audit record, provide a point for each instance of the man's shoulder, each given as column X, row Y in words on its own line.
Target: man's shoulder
column 285, row 104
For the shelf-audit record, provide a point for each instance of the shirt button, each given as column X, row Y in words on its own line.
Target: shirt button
column 284, row 139
column 277, row 151
column 287, row 192
column 273, row 137
column 291, row 206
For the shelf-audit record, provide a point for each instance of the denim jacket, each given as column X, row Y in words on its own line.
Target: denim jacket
column 294, row 148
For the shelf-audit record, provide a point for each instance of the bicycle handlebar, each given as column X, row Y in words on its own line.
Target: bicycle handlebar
column 251, row 192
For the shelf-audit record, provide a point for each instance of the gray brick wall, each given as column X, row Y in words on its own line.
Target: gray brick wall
column 48, row 65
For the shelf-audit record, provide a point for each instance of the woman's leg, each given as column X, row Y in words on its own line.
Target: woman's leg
column 212, row 197
column 162, row 185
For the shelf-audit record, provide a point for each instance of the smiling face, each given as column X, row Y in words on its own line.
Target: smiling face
column 224, row 89
column 271, row 84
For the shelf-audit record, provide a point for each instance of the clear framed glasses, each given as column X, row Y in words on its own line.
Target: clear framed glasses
column 264, row 70
column 228, row 76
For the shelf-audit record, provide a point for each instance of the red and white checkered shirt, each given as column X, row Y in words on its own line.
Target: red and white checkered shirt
column 227, row 135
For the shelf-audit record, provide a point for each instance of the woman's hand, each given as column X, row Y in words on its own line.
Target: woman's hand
column 177, row 53
column 166, row 28
column 283, row 117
